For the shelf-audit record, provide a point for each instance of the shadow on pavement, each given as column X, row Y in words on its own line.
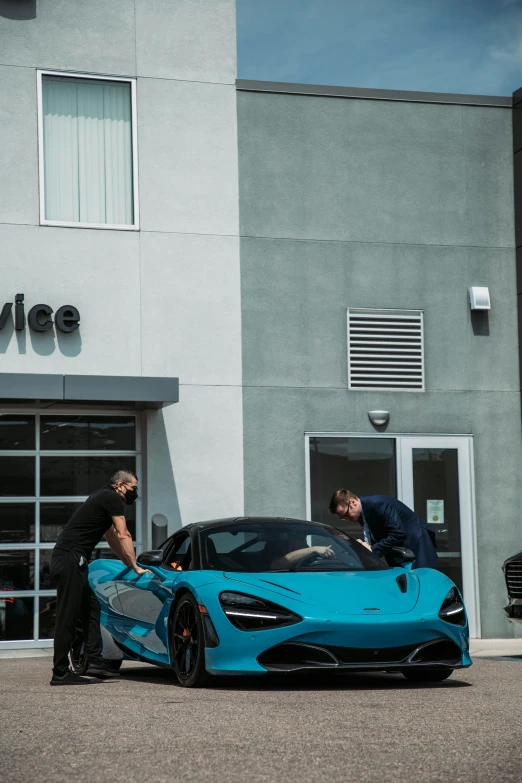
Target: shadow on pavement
column 294, row 682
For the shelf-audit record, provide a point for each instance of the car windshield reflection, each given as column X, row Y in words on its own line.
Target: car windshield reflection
column 280, row 545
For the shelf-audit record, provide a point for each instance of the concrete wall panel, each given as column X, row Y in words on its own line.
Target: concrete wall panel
column 188, row 157
column 191, row 316
column 95, row 36
column 192, row 40
column 97, row 272
column 18, row 146
column 295, row 296
column 195, row 456
column 362, row 170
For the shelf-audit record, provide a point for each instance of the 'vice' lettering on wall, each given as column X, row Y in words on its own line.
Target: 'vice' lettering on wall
column 66, row 319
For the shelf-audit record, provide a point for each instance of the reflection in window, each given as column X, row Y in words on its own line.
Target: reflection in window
column 88, row 433
column 53, row 518
column 46, row 616
column 365, row 466
column 16, row 618
column 16, row 523
column 63, row 476
column 16, row 432
column 17, row 569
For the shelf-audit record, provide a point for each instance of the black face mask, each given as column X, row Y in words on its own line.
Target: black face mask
column 130, row 496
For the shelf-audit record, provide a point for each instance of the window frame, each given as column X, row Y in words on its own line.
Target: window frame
column 134, row 139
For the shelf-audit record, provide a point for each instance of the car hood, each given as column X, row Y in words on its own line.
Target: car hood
column 341, row 592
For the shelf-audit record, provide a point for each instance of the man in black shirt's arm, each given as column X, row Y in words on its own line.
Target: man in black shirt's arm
column 101, row 516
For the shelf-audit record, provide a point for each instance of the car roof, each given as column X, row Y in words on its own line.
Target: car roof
column 251, row 521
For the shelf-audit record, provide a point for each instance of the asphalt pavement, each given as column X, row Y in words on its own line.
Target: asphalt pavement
column 144, row 728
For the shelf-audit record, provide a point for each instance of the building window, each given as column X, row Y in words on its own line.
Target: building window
column 87, row 151
column 49, row 464
column 385, row 350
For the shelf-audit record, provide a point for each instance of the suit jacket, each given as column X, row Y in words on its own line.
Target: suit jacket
column 392, row 524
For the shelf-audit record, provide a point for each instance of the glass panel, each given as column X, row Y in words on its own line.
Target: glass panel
column 16, row 523
column 46, row 580
column 17, row 476
column 17, row 569
column 79, row 475
column 436, row 500
column 46, row 616
column 53, row 518
column 88, row 433
column 16, row 432
column 16, row 618
column 365, row 466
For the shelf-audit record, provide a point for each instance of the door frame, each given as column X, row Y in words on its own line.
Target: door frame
column 404, row 473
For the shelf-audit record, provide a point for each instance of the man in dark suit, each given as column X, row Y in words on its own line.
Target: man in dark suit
column 386, row 522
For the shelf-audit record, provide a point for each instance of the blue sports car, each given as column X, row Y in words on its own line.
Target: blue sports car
column 256, row 595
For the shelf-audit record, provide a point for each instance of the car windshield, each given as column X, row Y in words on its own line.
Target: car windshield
column 280, row 545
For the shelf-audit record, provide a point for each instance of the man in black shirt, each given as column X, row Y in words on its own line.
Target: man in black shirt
column 102, row 515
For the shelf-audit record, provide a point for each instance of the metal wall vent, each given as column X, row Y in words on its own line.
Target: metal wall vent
column 385, row 349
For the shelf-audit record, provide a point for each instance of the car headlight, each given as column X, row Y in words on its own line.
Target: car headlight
column 452, row 609
column 255, row 614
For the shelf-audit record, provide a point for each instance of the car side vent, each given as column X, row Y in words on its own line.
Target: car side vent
column 385, row 349
column 402, row 582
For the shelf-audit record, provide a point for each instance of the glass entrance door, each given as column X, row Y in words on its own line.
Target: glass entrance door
column 436, row 483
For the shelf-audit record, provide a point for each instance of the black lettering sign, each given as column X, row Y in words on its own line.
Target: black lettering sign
column 67, row 319
column 39, row 317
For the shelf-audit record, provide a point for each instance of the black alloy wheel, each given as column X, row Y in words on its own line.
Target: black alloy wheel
column 188, row 644
column 77, row 652
column 78, row 659
column 427, row 675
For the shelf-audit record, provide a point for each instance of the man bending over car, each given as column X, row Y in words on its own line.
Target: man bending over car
column 102, row 515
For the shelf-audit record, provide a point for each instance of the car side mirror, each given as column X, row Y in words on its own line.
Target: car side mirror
column 403, row 553
column 152, row 558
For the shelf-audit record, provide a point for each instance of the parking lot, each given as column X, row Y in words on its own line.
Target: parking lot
column 144, row 727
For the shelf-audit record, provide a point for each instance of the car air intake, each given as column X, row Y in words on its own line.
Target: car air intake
column 285, row 657
column 514, row 579
column 439, row 651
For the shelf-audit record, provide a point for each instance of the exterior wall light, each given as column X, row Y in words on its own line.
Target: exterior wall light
column 479, row 298
column 379, row 418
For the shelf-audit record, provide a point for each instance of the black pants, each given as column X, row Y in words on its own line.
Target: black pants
column 74, row 601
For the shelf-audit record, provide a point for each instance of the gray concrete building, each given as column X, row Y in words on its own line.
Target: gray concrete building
column 254, row 293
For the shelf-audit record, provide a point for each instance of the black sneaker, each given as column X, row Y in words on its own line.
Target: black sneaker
column 69, row 678
column 101, row 670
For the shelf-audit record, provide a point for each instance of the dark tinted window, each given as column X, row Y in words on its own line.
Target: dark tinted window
column 17, row 569
column 16, row 432
column 365, row 466
column 263, row 547
column 16, row 522
column 17, row 476
column 79, row 475
column 88, row 433
column 18, row 618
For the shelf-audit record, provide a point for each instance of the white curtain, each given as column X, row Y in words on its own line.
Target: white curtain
column 87, row 150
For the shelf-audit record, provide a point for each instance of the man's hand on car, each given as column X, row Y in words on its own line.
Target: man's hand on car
column 140, row 571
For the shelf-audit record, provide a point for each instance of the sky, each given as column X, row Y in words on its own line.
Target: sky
column 457, row 46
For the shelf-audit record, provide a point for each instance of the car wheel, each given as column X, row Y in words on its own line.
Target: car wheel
column 77, row 652
column 188, row 644
column 427, row 675
column 78, row 655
